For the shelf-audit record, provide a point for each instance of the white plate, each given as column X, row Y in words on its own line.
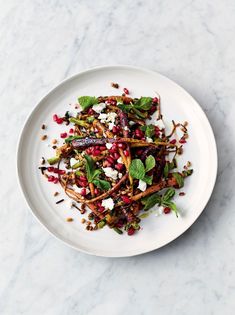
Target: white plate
column 157, row 231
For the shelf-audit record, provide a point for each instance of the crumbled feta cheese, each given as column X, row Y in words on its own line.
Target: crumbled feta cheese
column 159, row 123
column 120, row 175
column 149, row 140
column 102, row 117
column 99, row 107
column 108, row 118
column 126, row 128
column 120, row 160
column 111, row 125
column 142, row 185
column 109, row 145
column 131, row 123
column 73, row 161
column 110, row 172
column 108, row 204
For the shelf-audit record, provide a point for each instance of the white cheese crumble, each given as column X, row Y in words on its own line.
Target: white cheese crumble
column 131, row 123
column 73, row 161
column 142, row 185
column 126, row 128
column 159, row 123
column 120, row 175
column 108, row 118
column 149, row 140
column 108, row 204
column 99, row 107
column 79, row 190
column 120, row 160
column 109, row 145
column 110, row 172
column 111, row 125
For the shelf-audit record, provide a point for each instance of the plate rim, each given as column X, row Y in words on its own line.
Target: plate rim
column 66, row 80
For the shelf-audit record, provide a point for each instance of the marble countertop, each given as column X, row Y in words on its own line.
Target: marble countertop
column 44, row 42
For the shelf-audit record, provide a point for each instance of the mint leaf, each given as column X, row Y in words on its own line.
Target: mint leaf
column 150, row 131
column 143, row 103
column 171, row 205
column 150, row 163
column 139, row 113
column 90, row 167
column 168, row 195
column 137, row 169
column 168, row 167
column 87, row 101
column 179, row 179
column 96, row 174
column 125, row 108
column 102, row 184
column 151, row 201
column 148, row 179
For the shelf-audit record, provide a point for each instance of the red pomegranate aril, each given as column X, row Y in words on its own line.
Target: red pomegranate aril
column 96, row 152
column 119, row 166
column 116, row 155
column 126, row 199
column 102, row 148
column 51, row 178
column 173, row 141
column 110, row 159
column 63, row 135
column 83, row 192
column 115, row 129
column 155, row 100
column 71, row 130
column 89, row 150
column 96, row 191
column 121, row 145
column 55, row 117
column 61, row 172
column 56, row 180
column 91, row 111
column 126, row 91
column 82, row 184
column 83, row 178
column 101, row 209
column 98, row 203
column 139, row 152
column 167, row 210
column 126, row 152
column 152, row 109
column 113, row 102
column 182, row 140
column 51, row 169
column 60, row 121
column 131, row 231
column 120, row 223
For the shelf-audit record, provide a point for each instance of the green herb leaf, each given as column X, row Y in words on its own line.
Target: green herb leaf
column 96, row 174
column 71, row 138
column 179, row 179
column 53, row 160
column 87, row 101
column 102, row 184
column 168, row 195
column 139, row 113
column 125, row 108
column 168, row 167
column 79, row 122
column 143, row 103
column 171, row 205
column 187, row 173
column 137, row 169
column 150, row 163
column 151, row 201
column 118, row 230
column 101, row 224
column 90, row 167
column 148, row 179
column 90, row 119
column 150, row 131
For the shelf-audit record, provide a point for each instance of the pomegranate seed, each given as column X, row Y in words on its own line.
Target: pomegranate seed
column 102, row 148
column 108, row 102
column 99, row 203
column 167, row 210
column 126, row 91
column 120, row 223
column 60, row 121
column 131, row 231
column 56, row 180
column 119, row 166
column 101, row 209
column 61, row 172
column 182, row 140
column 55, row 117
column 82, row 184
column 51, row 178
column 83, row 178
column 107, row 164
column 155, row 100
column 83, row 192
column 126, row 199
column 173, row 141
column 115, row 129
column 71, row 130
column 96, row 152
column 121, row 145
column 89, row 151
column 126, row 152
column 90, row 111
column 139, row 152
column 63, row 135
column 116, row 155
column 96, row 191
column 110, row 159
column 152, row 109
column 113, row 102
column 51, row 169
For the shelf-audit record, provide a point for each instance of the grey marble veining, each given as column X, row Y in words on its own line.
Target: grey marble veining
column 44, row 42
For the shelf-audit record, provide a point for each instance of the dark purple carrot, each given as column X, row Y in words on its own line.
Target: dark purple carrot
column 124, row 123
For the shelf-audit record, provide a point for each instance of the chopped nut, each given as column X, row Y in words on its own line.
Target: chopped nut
column 115, row 85
column 56, row 193
column 88, row 223
column 54, row 141
column 83, row 220
column 69, row 219
column 54, row 147
column 189, row 164
column 44, row 137
column 43, row 126
column 95, row 227
column 185, row 136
